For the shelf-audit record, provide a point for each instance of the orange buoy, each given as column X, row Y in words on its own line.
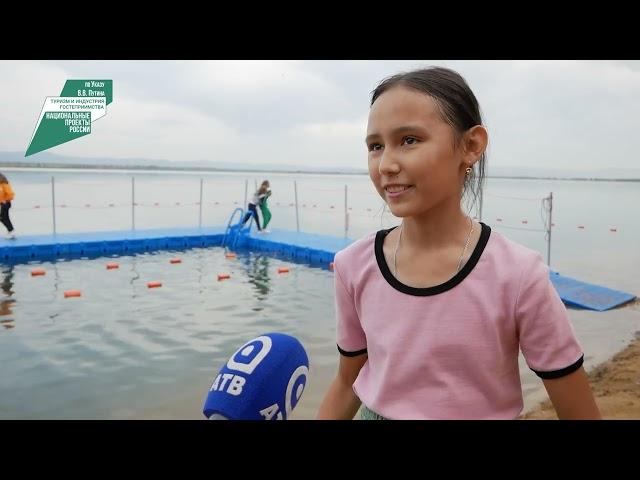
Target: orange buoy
column 613, row 229
column 229, row 255
column 223, row 276
column 112, row 265
column 331, row 266
column 37, row 272
column 72, row 293
column 581, row 226
column 283, row 270
column 154, row 284
column 175, row 260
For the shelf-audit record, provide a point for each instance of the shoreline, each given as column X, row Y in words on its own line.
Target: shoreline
column 615, row 384
column 195, row 169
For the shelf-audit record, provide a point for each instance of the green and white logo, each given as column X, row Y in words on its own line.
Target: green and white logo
column 70, row 115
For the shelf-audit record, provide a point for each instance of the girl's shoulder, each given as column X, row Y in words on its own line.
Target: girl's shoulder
column 510, row 248
column 509, row 256
column 358, row 247
column 356, row 258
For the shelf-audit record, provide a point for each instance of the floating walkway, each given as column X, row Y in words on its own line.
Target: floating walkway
column 580, row 294
column 297, row 246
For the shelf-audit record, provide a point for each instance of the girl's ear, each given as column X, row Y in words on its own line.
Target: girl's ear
column 475, row 143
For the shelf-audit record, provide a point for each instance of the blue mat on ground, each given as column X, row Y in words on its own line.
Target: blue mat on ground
column 587, row 295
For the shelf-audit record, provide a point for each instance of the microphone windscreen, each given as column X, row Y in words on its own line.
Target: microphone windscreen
column 263, row 380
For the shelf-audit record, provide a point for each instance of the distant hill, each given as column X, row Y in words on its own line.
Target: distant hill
column 47, row 159
column 52, row 160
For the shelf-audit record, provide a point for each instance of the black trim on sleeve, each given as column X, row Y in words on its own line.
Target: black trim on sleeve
column 562, row 372
column 351, row 354
column 443, row 287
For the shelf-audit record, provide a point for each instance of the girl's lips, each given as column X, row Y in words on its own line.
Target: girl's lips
column 397, row 190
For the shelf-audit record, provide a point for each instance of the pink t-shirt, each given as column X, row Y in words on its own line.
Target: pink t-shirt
column 451, row 351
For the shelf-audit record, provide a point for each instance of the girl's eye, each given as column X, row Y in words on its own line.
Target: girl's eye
column 409, row 140
column 374, row 147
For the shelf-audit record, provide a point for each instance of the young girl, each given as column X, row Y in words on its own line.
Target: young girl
column 6, row 195
column 431, row 314
column 260, row 194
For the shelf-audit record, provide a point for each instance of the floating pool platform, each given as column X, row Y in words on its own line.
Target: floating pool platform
column 576, row 293
column 297, row 246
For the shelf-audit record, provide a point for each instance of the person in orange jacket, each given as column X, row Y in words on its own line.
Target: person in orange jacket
column 6, row 195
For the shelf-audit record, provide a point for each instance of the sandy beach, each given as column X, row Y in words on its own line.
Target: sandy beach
column 615, row 384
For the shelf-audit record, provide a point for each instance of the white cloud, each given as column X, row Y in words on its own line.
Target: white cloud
column 345, row 130
column 23, row 88
column 566, row 114
column 138, row 129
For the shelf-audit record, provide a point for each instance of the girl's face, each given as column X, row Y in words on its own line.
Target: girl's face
column 413, row 160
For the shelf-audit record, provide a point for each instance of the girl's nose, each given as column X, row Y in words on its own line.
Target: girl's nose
column 388, row 164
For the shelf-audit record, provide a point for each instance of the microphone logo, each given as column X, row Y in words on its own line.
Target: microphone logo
column 296, row 385
column 249, row 356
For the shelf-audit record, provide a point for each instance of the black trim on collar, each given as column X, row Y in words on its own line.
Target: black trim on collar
column 443, row 287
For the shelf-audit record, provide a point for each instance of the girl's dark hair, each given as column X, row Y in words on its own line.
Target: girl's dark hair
column 457, row 104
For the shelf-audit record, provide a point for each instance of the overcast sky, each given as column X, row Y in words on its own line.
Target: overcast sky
column 563, row 114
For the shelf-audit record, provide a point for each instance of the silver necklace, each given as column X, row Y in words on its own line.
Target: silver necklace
column 466, row 245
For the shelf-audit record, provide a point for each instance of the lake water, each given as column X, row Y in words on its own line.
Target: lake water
column 126, row 351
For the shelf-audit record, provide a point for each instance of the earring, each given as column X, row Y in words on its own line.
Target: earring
column 468, row 171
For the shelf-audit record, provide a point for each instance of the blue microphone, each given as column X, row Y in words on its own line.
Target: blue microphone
column 263, row 380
